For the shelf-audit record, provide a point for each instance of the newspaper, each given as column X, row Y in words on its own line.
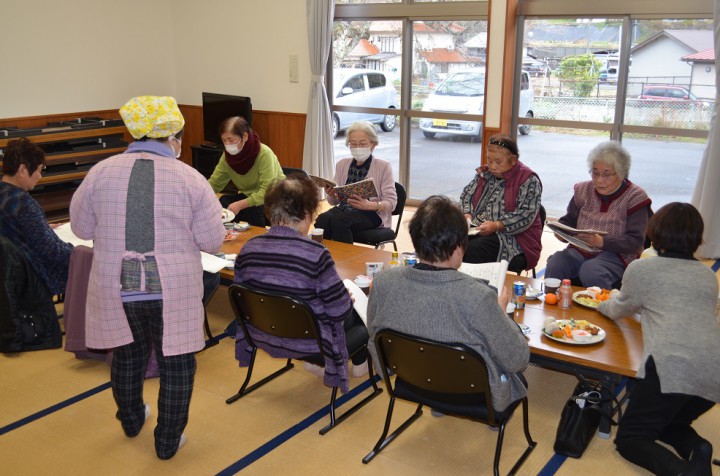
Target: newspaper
column 493, row 273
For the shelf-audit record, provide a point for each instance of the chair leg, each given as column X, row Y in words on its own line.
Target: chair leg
column 531, row 443
column 386, row 440
column 212, row 340
column 244, row 389
column 336, row 421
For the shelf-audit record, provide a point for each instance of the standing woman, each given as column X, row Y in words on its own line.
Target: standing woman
column 678, row 380
column 149, row 215
column 23, row 221
column 250, row 165
column 357, row 214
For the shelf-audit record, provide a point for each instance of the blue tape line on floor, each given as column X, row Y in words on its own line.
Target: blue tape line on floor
column 715, row 267
column 540, row 273
column 54, row 408
column 292, row 431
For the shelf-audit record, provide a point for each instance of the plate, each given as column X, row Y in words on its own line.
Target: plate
column 589, row 302
column 227, row 215
column 241, row 226
column 569, row 340
column 533, row 293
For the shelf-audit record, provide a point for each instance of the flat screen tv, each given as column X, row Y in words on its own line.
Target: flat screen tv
column 217, row 108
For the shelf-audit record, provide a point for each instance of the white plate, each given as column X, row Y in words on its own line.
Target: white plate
column 227, row 215
column 533, row 293
column 569, row 340
column 578, row 294
column 241, row 226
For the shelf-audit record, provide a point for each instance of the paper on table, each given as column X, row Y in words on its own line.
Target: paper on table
column 493, row 273
column 213, row 264
column 65, row 233
column 361, row 300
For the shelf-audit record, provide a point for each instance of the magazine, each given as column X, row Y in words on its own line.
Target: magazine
column 321, row 182
column 364, row 189
column 360, row 300
column 573, row 240
column 493, row 273
column 556, row 225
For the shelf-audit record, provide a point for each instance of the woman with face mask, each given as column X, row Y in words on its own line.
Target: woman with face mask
column 251, row 166
column 356, row 214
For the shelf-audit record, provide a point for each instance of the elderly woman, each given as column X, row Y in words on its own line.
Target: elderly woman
column 250, row 165
column 284, row 259
column 356, row 213
column 149, row 215
column 23, row 221
column 610, row 203
column 675, row 296
column 503, row 203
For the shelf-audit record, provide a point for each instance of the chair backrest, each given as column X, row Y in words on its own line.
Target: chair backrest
column 543, row 216
column 291, row 170
column 275, row 314
column 433, row 368
column 400, row 205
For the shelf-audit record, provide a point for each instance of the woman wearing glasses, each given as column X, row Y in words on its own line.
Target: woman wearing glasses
column 502, row 204
column 356, row 213
column 610, row 203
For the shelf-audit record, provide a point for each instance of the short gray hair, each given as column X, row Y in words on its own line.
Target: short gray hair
column 362, row 126
column 613, row 154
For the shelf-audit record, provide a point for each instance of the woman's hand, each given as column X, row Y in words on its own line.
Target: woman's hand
column 592, row 239
column 237, row 207
column 362, row 203
column 488, row 228
column 329, row 190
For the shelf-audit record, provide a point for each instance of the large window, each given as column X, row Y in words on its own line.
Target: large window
column 647, row 83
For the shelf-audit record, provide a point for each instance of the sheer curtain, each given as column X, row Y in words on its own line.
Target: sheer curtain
column 318, row 152
column 706, row 196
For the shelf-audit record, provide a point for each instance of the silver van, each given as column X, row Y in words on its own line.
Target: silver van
column 362, row 88
column 464, row 92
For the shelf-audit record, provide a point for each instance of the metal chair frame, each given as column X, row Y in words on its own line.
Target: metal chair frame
column 439, row 373
column 397, row 211
column 285, row 316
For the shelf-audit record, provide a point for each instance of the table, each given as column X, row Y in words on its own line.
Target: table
column 618, row 356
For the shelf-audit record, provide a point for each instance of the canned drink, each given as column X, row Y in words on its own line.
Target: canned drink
column 519, row 294
column 411, row 261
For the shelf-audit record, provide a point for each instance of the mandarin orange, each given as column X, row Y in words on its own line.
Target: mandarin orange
column 551, row 298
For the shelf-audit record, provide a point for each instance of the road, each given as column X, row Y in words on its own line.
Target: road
column 667, row 170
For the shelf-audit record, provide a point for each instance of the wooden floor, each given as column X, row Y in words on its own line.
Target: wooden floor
column 58, row 417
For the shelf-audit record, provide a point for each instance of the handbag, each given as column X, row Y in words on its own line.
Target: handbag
column 580, row 417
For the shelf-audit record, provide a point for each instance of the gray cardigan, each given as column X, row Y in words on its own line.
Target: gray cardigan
column 676, row 299
column 450, row 306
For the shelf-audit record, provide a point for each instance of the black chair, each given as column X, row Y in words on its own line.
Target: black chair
column 380, row 236
column 449, row 378
column 288, row 317
column 515, row 266
column 290, row 170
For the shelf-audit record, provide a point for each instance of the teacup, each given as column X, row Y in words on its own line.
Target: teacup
column 551, row 285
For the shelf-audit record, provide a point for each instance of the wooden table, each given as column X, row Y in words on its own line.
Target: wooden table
column 349, row 259
column 618, row 355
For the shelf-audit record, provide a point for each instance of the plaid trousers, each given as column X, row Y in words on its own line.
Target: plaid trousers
column 177, row 374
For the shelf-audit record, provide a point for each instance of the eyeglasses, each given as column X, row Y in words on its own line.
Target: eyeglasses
column 604, row 175
column 505, row 145
column 362, row 143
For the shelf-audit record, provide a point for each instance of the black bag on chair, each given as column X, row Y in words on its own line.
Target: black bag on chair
column 580, row 418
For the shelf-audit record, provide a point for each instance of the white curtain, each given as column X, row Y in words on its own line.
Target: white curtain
column 318, row 152
column 706, row 196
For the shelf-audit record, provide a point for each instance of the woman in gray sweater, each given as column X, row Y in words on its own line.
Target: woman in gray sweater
column 675, row 296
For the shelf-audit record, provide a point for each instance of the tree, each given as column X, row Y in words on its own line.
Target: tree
column 581, row 72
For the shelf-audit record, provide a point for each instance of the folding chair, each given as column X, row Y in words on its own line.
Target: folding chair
column 380, row 236
column 449, row 378
column 287, row 317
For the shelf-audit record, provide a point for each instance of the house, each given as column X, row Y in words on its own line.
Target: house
column 702, row 73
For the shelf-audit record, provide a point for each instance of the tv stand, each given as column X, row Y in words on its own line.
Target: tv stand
column 205, row 157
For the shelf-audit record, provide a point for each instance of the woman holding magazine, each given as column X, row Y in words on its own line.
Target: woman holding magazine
column 609, row 203
column 355, row 213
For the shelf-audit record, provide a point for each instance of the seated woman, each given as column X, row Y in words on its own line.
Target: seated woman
column 677, row 381
column 356, row 213
column 23, row 221
column 250, row 165
column 609, row 202
column 284, row 259
column 503, row 202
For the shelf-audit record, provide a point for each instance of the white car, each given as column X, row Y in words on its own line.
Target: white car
column 362, row 88
column 463, row 92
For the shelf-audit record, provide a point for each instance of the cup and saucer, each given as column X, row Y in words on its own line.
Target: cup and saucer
column 241, row 226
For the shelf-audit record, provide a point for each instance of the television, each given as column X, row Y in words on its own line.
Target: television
column 217, row 108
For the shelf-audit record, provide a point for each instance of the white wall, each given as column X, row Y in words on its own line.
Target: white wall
column 242, row 47
column 83, row 55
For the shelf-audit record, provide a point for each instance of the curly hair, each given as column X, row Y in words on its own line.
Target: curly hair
column 291, row 200
column 22, row 152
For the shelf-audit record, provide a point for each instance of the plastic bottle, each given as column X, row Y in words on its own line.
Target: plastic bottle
column 565, row 294
column 394, row 261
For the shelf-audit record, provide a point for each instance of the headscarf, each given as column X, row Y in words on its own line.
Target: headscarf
column 155, row 117
column 243, row 161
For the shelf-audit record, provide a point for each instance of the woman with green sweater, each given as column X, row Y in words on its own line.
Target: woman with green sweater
column 250, row 165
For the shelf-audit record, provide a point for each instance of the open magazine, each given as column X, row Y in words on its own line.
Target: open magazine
column 364, row 188
column 567, row 233
column 493, row 273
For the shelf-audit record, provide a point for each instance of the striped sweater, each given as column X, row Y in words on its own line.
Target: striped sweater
column 284, row 261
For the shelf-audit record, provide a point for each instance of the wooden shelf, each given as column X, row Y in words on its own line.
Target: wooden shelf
column 70, row 134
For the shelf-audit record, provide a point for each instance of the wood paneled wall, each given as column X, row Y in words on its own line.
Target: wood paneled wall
column 283, row 132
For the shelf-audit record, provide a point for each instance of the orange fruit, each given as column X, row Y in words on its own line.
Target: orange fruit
column 551, row 298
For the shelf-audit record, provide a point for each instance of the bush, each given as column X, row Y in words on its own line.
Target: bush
column 581, row 72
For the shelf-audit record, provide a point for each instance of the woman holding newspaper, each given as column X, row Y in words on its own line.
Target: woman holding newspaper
column 610, row 215
column 356, row 213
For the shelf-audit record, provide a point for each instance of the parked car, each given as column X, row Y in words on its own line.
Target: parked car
column 463, row 92
column 362, row 88
column 663, row 92
column 537, row 68
column 609, row 75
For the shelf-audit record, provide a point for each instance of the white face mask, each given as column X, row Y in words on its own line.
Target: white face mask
column 233, row 149
column 360, row 154
column 179, row 142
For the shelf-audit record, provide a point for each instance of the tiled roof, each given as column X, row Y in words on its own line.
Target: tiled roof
column 443, row 55
column 364, row 48
column 703, row 56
